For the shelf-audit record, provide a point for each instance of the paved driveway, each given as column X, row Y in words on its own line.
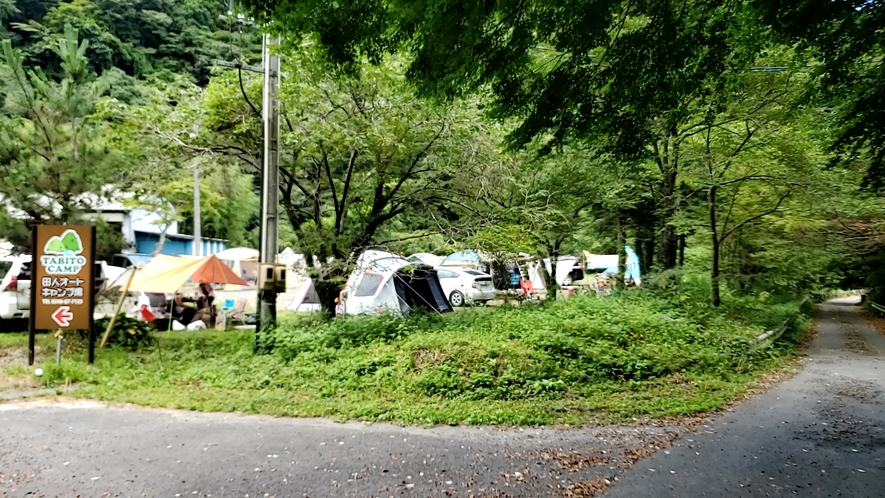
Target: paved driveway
column 822, row 433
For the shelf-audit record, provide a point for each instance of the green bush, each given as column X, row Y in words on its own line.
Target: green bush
column 640, row 353
column 541, row 351
column 127, row 333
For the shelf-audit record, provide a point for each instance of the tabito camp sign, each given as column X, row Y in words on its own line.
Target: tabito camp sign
column 62, row 277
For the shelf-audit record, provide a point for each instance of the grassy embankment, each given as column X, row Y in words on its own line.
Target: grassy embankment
column 573, row 361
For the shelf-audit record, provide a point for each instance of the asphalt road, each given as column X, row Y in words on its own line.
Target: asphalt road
column 818, row 434
column 84, row 448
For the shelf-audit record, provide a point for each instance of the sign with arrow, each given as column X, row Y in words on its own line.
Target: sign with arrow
column 62, row 277
column 62, row 281
column 63, row 316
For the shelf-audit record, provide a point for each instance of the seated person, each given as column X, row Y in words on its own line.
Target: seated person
column 206, row 302
column 181, row 311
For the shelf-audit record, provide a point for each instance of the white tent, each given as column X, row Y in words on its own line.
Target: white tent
column 377, row 286
column 600, row 262
column 238, row 254
column 296, row 262
column 115, row 276
column 306, row 298
column 243, row 261
column 564, row 266
column 370, row 288
column 426, row 258
column 536, row 276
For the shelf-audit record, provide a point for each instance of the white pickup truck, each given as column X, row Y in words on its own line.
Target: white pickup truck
column 15, row 287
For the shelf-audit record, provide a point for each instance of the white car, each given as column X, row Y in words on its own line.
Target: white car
column 15, row 284
column 464, row 286
column 15, row 287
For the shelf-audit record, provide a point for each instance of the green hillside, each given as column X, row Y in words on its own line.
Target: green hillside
column 140, row 38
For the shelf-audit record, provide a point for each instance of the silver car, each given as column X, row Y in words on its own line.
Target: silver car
column 464, row 286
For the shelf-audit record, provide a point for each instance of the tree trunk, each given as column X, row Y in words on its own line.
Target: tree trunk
column 667, row 245
column 622, row 255
column 669, row 163
column 714, row 271
column 639, row 247
column 328, row 291
column 160, row 243
column 649, row 254
column 552, row 283
column 681, row 250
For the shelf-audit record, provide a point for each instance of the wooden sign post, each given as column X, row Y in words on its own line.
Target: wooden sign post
column 62, row 282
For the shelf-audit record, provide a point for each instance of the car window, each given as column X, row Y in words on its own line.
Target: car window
column 474, row 272
column 368, row 284
column 4, row 268
column 446, row 274
column 25, row 271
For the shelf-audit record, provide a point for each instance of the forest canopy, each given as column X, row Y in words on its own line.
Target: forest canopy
column 737, row 141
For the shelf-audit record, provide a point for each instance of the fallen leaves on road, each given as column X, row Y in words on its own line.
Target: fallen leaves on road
column 586, row 489
column 574, row 461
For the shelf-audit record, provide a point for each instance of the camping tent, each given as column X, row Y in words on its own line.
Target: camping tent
column 632, row 269
column 462, row 258
column 296, row 262
column 536, row 276
column 242, row 260
column 608, row 263
column 238, row 254
column 425, row 258
column 600, row 262
column 377, row 285
column 564, row 267
column 306, row 298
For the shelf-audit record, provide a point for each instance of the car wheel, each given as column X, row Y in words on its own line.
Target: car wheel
column 567, row 280
column 456, row 299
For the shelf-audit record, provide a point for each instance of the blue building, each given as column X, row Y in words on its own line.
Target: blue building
column 142, row 231
column 176, row 244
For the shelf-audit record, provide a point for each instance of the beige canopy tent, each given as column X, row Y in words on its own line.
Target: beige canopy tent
column 167, row 274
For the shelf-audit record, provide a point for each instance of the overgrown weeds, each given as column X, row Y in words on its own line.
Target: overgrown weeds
column 571, row 361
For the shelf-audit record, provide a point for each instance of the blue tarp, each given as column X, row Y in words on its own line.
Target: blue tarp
column 632, row 271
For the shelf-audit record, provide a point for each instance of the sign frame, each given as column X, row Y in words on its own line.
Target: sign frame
column 66, row 251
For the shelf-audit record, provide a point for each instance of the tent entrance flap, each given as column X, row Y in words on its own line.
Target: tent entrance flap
column 420, row 290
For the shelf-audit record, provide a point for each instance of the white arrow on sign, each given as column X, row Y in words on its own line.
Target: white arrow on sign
column 63, row 316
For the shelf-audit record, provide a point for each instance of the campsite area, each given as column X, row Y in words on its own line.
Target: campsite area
column 574, row 361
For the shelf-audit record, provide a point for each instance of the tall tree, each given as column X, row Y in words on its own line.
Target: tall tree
column 56, row 160
column 359, row 151
column 844, row 41
column 639, row 76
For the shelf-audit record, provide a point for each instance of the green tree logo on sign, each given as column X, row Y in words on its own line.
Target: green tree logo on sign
column 69, row 244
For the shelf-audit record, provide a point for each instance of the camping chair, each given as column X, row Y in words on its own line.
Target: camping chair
column 527, row 290
column 145, row 314
column 239, row 314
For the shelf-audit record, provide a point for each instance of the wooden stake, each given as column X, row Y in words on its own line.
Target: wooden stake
column 125, row 291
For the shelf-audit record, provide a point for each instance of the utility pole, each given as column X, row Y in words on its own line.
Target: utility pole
column 270, row 177
column 270, row 166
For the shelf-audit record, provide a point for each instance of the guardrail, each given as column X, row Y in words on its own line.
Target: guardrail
column 775, row 334
column 877, row 307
